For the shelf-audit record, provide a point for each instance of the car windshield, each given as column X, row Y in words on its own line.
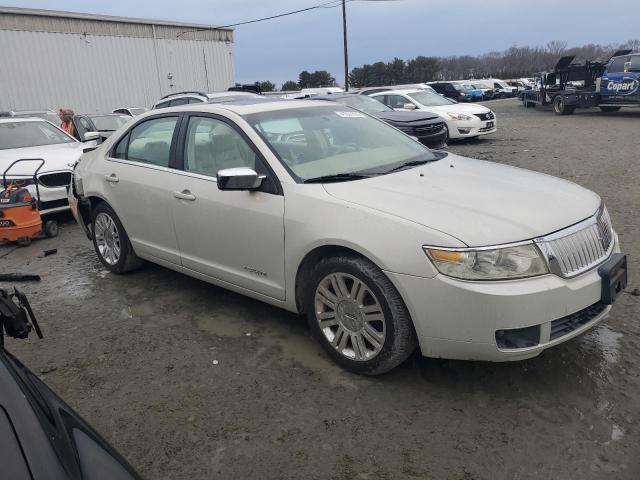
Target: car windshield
column 430, row 99
column 321, row 141
column 364, row 103
column 30, row 134
column 109, row 123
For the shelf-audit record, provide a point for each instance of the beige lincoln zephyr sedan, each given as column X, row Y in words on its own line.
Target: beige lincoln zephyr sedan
column 385, row 245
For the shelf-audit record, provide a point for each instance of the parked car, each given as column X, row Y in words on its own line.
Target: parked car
column 462, row 120
column 37, row 138
column 473, row 94
column 131, row 111
column 501, row 88
column 372, row 90
column 452, row 90
column 41, row 437
column 103, row 123
column 428, row 128
column 487, row 93
column 185, row 98
column 384, row 244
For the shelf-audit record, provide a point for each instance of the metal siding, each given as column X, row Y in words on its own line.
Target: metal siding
column 99, row 73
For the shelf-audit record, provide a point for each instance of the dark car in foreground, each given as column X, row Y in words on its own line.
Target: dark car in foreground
column 41, row 437
column 428, row 128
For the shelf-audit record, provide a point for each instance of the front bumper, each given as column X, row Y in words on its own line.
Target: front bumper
column 470, row 128
column 459, row 320
column 434, row 140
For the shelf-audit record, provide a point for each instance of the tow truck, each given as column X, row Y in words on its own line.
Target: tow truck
column 608, row 85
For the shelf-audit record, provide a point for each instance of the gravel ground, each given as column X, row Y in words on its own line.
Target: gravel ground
column 189, row 381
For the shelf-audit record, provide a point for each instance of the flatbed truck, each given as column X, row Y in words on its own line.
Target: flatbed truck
column 609, row 86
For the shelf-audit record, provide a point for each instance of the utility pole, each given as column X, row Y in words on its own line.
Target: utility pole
column 346, row 50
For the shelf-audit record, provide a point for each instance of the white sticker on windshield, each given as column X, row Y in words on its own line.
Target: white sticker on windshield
column 351, row 114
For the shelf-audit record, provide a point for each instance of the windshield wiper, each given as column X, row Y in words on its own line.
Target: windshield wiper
column 410, row 163
column 338, row 177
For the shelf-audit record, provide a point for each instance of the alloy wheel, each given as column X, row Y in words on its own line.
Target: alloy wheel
column 350, row 316
column 107, row 238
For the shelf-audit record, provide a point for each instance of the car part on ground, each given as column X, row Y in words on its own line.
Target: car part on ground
column 363, row 202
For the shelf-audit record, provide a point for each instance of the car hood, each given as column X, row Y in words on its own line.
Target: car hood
column 406, row 117
column 56, row 157
column 480, row 203
column 471, row 109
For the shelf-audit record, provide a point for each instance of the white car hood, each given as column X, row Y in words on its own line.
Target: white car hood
column 457, row 108
column 56, row 157
column 480, row 203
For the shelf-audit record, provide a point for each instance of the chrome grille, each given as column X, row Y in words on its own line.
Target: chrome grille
column 579, row 248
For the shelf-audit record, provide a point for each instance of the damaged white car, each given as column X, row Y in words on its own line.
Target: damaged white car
column 384, row 244
column 35, row 138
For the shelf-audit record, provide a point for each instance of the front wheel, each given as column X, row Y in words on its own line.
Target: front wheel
column 111, row 242
column 358, row 316
column 560, row 107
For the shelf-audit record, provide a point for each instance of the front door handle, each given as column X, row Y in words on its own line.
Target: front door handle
column 185, row 195
column 113, row 178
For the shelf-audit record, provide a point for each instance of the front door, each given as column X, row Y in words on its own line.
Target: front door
column 138, row 180
column 233, row 236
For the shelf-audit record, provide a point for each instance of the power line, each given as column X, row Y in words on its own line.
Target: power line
column 332, row 4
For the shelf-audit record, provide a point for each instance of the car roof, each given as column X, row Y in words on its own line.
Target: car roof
column 403, row 91
column 22, row 119
column 241, row 107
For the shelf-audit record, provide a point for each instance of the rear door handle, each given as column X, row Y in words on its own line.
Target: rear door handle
column 185, row 195
column 113, row 178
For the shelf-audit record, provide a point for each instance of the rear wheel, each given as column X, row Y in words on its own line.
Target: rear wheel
column 358, row 316
column 111, row 242
column 609, row 109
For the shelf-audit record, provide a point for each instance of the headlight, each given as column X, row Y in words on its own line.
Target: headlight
column 459, row 116
column 500, row 263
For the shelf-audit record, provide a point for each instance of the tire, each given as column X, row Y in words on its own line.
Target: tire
column 51, row 228
column 560, row 107
column 116, row 253
column 369, row 347
column 609, row 109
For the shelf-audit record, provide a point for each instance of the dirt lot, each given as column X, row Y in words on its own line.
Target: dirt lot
column 189, row 381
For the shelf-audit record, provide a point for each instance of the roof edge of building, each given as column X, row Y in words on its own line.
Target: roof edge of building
column 104, row 18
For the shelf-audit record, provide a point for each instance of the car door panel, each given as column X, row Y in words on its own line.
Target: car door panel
column 233, row 236
column 140, row 191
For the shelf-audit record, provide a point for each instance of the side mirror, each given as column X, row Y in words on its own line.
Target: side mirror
column 240, row 178
column 89, row 136
column 409, row 106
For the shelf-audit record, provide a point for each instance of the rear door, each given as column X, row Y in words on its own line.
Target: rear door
column 233, row 236
column 139, row 179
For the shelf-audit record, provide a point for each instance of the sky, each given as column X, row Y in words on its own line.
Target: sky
column 280, row 49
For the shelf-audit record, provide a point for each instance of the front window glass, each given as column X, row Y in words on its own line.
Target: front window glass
column 109, row 123
column 213, row 145
column 634, row 64
column 150, row 142
column 429, row 99
column 30, row 134
column 616, row 65
column 364, row 103
column 314, row 142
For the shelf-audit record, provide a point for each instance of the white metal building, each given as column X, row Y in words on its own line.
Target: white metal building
column 94, row 63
